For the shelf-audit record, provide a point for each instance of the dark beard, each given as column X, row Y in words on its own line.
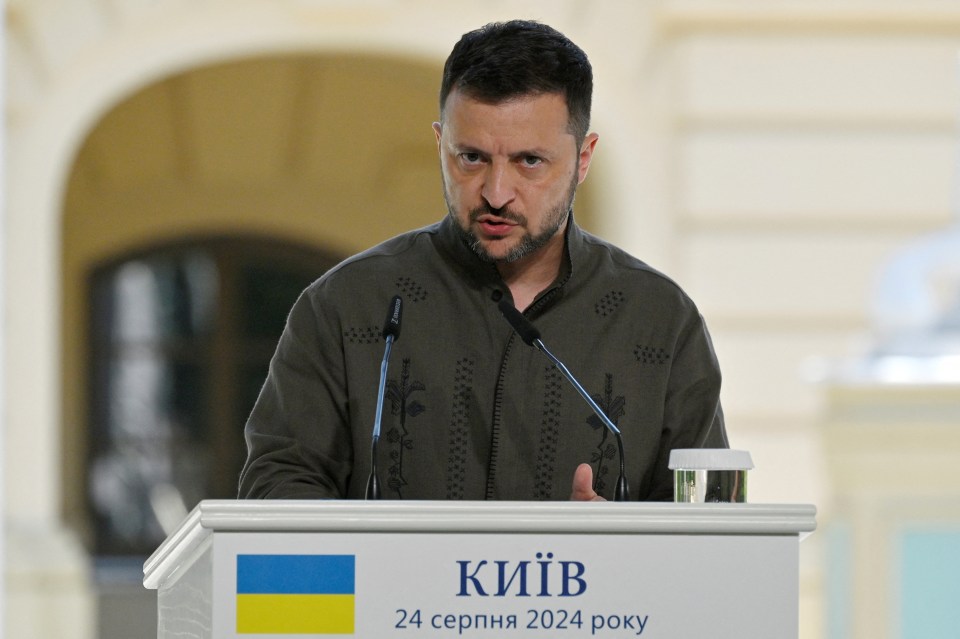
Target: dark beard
column 556, row 218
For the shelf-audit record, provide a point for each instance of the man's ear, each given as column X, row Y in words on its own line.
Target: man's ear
column 585, row 157
column 437, row 130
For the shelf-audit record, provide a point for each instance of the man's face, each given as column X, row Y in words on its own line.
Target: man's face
column 510, row 171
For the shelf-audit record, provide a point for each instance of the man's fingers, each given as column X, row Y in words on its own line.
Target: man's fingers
column 583, row 485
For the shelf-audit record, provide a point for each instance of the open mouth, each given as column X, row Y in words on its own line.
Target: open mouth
column 495, row 226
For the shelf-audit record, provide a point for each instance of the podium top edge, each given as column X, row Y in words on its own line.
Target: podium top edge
column 463, row 517
column 503, row 516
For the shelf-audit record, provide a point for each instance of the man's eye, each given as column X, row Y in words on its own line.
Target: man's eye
column 531, row 160
column 470, row 158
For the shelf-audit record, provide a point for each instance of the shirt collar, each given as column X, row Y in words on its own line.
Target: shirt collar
column 484, row 274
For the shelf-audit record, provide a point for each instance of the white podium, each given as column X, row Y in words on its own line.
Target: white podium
column 393, row 569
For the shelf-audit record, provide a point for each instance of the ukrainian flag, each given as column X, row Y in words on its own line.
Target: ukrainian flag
column 295, row 594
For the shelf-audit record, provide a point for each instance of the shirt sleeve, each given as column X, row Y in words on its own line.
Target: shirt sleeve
column 693, row 416
column 298, row 434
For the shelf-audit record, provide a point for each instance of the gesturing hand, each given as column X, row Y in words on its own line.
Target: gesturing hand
column 583, row 485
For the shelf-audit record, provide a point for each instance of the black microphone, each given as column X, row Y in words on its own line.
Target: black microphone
column 392, row 325
column 391, row 333
column 531, row 336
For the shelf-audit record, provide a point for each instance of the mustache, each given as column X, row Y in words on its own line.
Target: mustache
column 504, row 212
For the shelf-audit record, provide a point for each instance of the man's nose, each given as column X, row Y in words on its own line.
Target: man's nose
column 499, row 188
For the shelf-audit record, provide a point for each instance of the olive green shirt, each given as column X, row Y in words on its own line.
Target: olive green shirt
column 472, row 412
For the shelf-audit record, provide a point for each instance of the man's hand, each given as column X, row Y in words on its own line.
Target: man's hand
column 583, row 485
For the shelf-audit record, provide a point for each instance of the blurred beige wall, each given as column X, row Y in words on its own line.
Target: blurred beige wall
column 768, row 155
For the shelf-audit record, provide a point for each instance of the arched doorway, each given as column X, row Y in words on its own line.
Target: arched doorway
column 228, row 186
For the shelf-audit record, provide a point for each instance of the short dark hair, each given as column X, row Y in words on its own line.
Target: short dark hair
column 505, row 60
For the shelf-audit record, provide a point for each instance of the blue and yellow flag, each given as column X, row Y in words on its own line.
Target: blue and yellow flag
column 295, row 594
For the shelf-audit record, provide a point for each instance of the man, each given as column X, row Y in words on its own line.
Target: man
column 472, row 412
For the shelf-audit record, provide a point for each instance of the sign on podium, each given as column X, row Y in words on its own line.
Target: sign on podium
column 394, row 569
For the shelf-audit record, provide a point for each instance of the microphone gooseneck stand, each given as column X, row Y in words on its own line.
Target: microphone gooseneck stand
column 531, row 336
column 391, row 333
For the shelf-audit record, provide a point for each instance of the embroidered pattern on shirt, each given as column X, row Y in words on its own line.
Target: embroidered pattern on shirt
column 362, row 335
column 606, row 450
column 402, row 404
column 651, row 355
column 549, row 435
column 459, row 420
column 411, row 290
column 609, row 303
